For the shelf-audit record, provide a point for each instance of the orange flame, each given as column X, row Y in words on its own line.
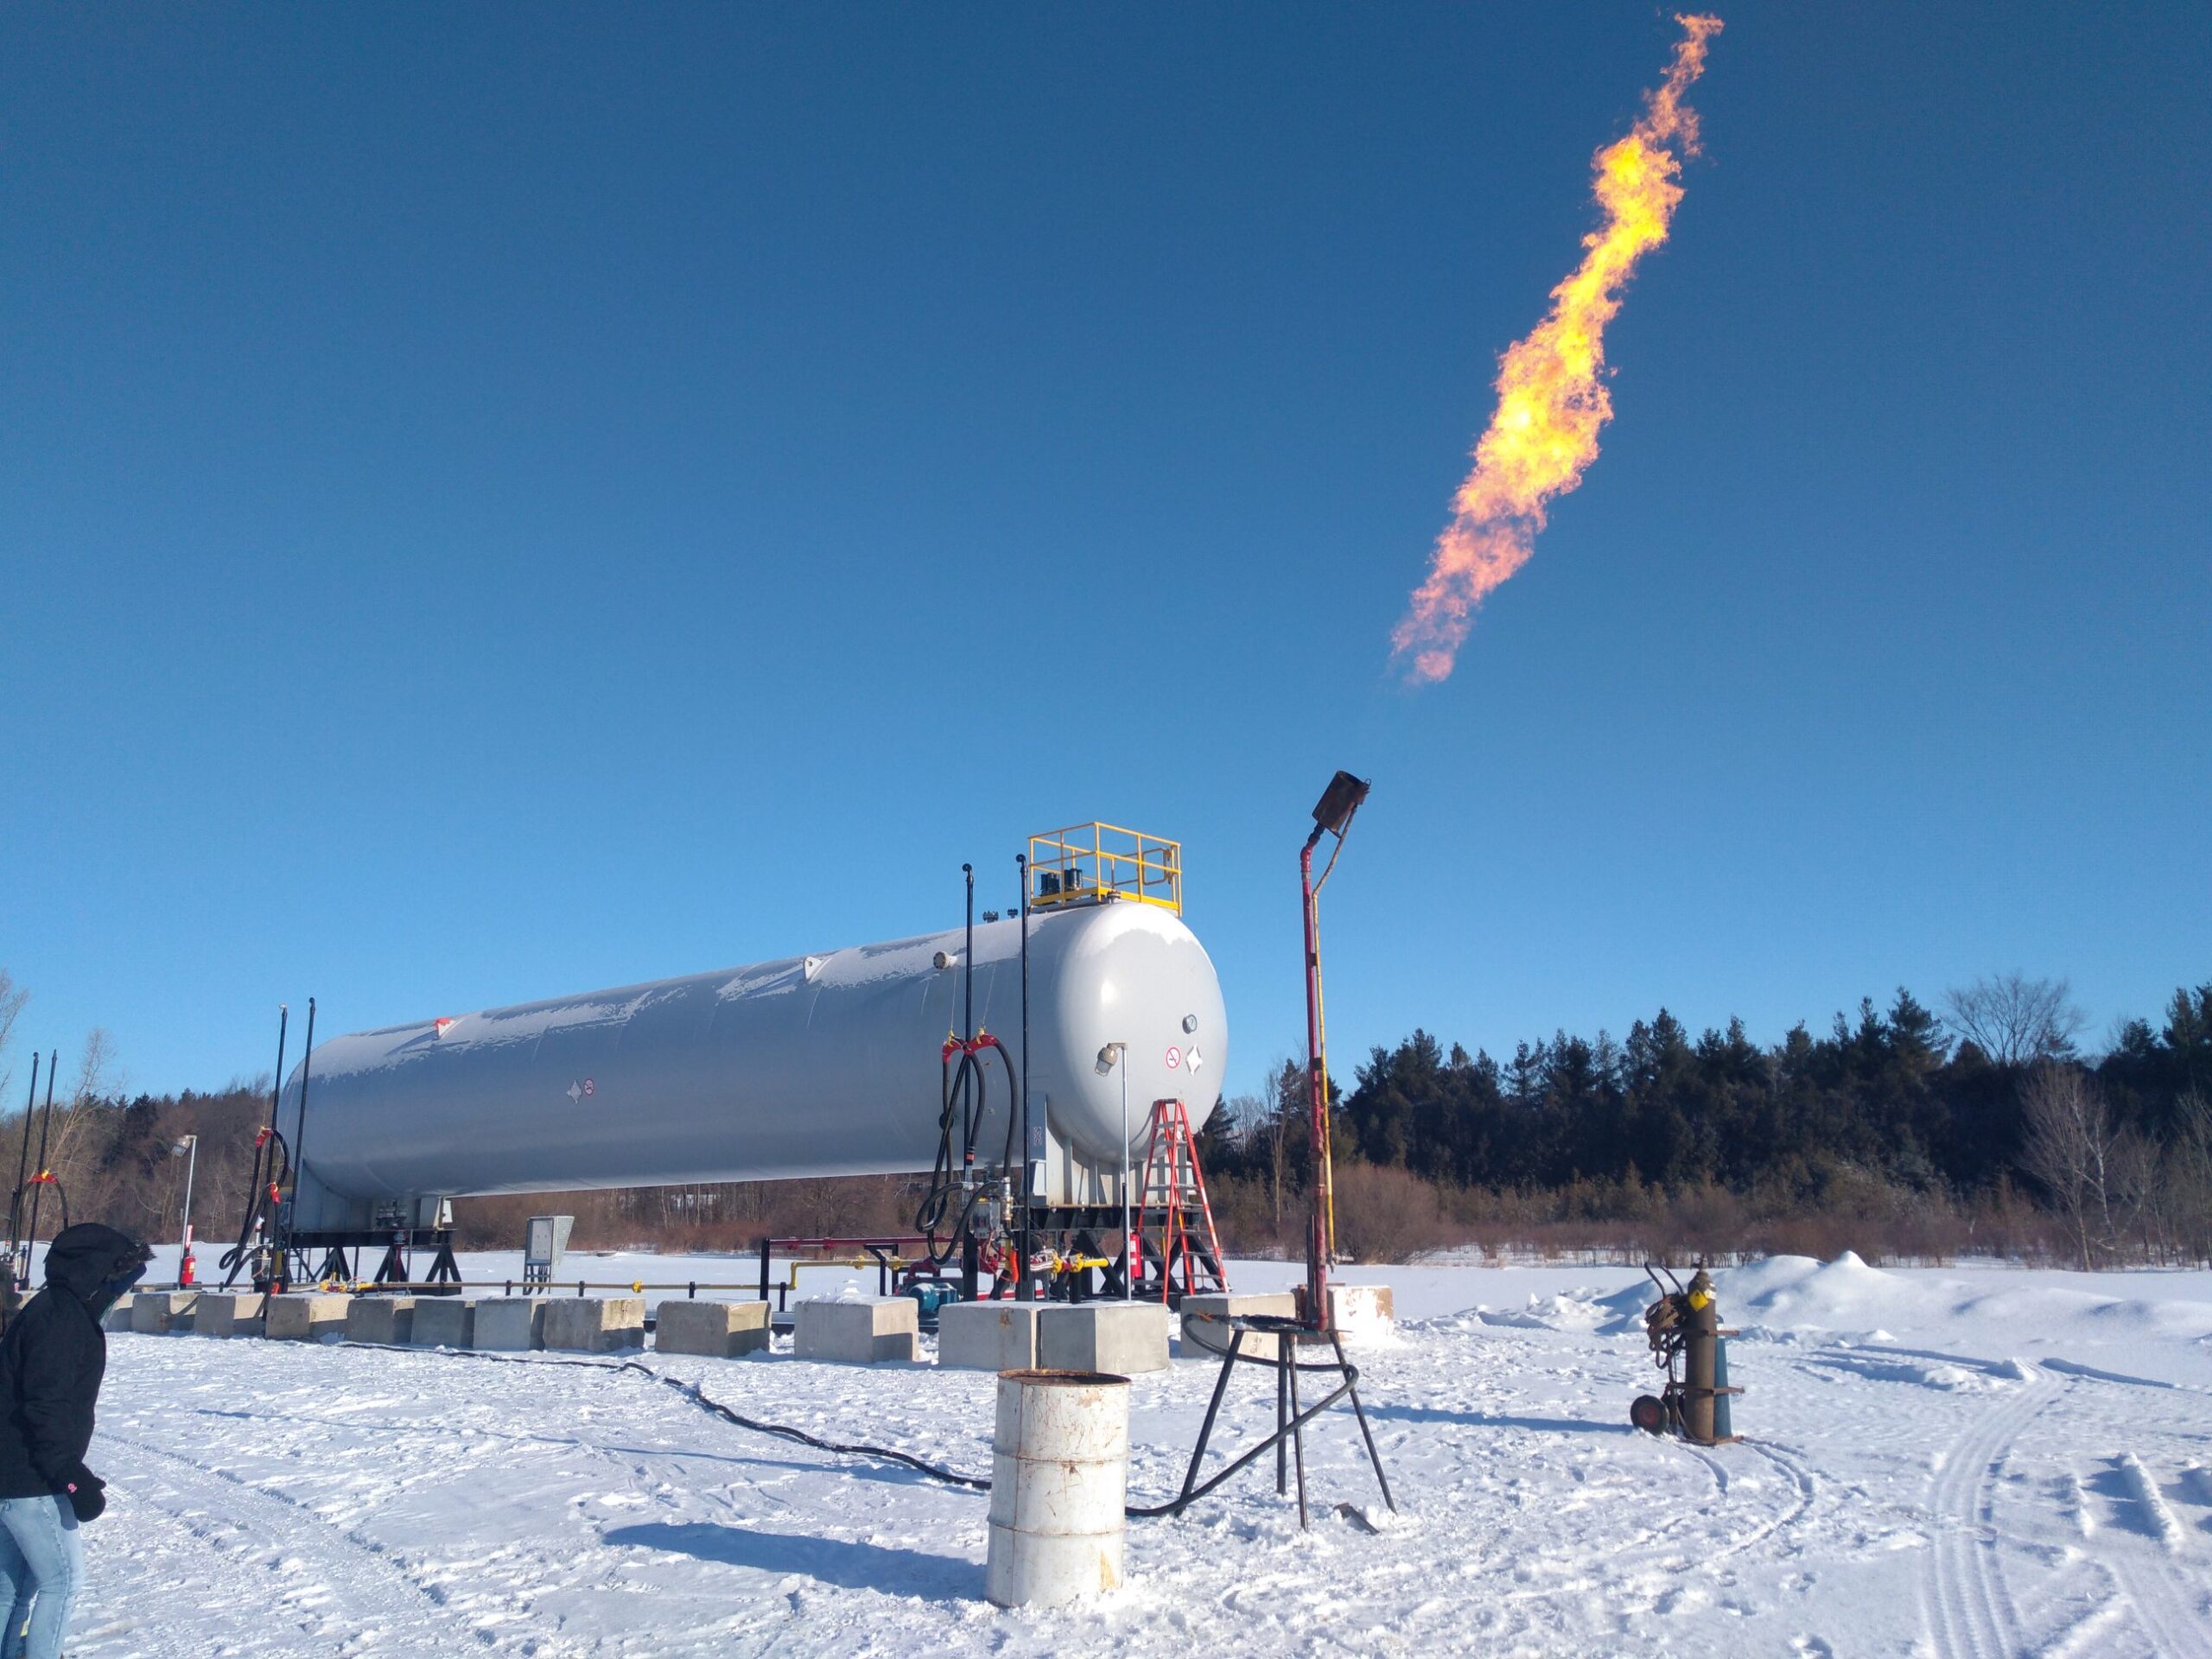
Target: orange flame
column 1551, row 391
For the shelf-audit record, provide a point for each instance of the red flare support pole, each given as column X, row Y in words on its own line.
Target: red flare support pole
column 1317, row 1235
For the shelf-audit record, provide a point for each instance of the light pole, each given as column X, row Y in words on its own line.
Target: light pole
column 1332, row 815
column 187, row 1149
column 1112, row 1055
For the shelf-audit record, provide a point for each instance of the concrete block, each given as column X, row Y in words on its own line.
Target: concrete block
column 722, row 1329
column 511, row 1324
column 988, row 1335
column 1118, row 1338
column 1360, row 1311
column 1204, row 1330
column 228, row 1313
column 861, row 1333
column 119, row 1316
column 443, row 1322
column 312, row 1316
column 387, row 1320
column 593, row 1325
column 157, row 1312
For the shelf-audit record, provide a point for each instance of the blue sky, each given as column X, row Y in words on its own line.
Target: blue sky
column 496, row 503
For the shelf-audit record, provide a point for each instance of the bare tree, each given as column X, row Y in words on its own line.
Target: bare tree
column 12, row 998
column 1274, row 1118
column 2071, row 1148
column 72, row 1123
column 96, row 1070
column 2185, row 1178
column 2014, row 1020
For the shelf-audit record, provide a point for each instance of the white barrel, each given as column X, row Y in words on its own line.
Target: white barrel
column 825, row 1065
column 1059, row 1483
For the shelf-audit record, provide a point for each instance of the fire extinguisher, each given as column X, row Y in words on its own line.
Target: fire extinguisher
column 184, row 1271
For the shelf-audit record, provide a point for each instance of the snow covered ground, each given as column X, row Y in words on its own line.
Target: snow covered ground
column 1969, row 1461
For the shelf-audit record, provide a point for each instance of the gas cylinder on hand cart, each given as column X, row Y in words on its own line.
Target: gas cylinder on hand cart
column 1683, row 1327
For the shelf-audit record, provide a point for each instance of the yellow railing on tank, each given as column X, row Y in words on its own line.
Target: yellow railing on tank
column 1093, row 863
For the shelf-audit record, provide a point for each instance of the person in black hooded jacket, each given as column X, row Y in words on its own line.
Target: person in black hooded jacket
column 52, row 1358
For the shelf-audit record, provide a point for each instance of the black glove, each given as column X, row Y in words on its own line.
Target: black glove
column 87, row 1495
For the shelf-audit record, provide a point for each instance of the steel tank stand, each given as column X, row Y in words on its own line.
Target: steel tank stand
column 1291, row 1418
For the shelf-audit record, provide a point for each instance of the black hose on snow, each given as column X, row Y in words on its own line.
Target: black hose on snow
column 706, row 1403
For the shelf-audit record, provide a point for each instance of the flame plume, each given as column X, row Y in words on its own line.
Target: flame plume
column 1551, row 391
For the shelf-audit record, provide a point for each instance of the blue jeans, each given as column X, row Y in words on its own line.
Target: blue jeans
column 41, row 1558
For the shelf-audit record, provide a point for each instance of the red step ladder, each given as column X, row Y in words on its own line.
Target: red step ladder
column 1175, row 1224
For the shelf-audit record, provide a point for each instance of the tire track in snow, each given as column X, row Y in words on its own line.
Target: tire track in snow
column 1968, row 1611
column 1655, row 1542
column 1807, row 1489
column 2146, row 1563
column 397, row 1612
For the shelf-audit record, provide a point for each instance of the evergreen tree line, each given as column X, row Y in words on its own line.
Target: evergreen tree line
column 1898, row 1132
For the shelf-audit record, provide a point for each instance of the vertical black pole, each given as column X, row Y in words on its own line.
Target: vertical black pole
column 18, row 1258
column 265, row 1190
column 23, row 1158
column 45, row 1130
column 299, row 1143
column 968, row 961
column 276, row 1135
column 1024, row 1286
column 276, row 1089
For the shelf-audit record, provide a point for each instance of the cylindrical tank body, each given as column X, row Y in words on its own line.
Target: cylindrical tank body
column 1701, row 1352
column 1059, row 1478
column 817, row 1065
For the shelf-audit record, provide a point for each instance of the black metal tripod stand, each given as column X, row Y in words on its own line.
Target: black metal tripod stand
column 1289, row 1440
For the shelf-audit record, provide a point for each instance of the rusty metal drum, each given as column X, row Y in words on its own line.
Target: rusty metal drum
column 1059, row 1480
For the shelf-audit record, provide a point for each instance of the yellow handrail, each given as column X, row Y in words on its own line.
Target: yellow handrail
column 1096, row 863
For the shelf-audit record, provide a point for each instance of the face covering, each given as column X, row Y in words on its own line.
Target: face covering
column 113, row 1289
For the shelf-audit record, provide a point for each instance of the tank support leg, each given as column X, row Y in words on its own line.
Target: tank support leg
column 392, row 1270
column 444, row 1270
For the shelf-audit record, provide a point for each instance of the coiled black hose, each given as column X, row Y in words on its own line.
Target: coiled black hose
column 966, row 1096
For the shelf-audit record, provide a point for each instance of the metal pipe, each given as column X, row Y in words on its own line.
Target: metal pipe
column 22, row 1162
column 277, row 1086
column 1316, row 1247
column 969, row 1083
column 184, row 1237
column 287, row 1222
column 968, row 961
column 1130, row 1261
column 1025, row 1287
column 45, row 1134
column 1365, row 1433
